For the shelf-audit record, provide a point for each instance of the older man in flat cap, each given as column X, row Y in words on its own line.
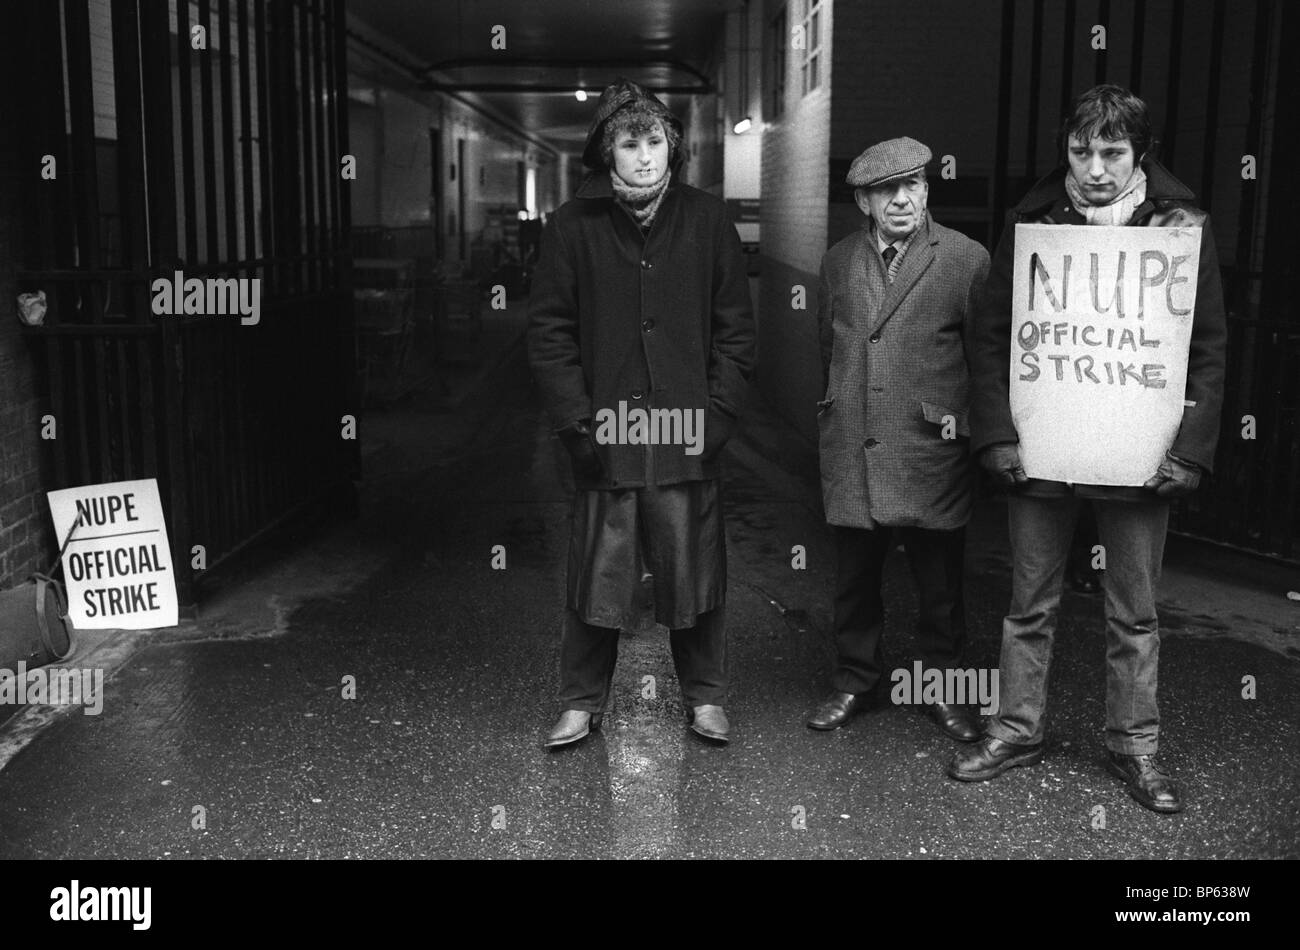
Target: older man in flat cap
column 896, row 302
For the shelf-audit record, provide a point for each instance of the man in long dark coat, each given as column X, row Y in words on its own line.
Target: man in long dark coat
column 641, row 339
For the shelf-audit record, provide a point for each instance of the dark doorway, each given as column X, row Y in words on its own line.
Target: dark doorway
column 436, row 190
column 460, row 198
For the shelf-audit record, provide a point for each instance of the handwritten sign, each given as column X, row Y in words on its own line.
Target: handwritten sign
column 118, row 565
column 1101, row 319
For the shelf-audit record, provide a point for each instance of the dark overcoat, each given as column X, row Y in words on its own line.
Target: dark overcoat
column 893, row 429
column 655, row 320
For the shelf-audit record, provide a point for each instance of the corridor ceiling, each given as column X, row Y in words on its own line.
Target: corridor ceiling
column 552, row 48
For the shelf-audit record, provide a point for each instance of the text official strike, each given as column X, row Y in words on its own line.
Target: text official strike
column 127, row 561
column 1154, row 268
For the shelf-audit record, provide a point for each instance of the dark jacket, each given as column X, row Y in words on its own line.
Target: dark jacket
column 897, row 380
column 658, row 319
column 1168, row 204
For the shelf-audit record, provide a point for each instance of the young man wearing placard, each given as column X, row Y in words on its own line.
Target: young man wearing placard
column 1108, row 179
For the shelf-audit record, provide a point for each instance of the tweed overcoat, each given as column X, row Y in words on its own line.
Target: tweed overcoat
column 659, row 320
column 893, row 429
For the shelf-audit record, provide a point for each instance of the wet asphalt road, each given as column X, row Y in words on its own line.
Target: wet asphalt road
column 438, row 754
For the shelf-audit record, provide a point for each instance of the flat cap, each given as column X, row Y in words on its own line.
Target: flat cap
column 892, row 158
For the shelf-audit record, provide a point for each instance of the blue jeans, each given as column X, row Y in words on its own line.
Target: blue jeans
column 1133, row 536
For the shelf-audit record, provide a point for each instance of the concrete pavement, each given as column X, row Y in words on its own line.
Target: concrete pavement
column 233, row 735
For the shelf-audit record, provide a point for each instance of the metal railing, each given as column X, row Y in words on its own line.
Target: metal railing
column 236, row 175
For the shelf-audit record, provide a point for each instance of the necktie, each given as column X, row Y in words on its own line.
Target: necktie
column 888, row 254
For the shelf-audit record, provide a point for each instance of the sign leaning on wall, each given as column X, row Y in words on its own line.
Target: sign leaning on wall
column 1101, row 319
column 118, row 562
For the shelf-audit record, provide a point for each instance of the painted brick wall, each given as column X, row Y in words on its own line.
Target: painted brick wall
column 796, row 151
column 795, row 177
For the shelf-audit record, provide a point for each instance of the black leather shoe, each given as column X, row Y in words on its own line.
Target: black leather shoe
column 1149, row 784
column 573, row 724
column 837, row 709
column 990, row 759
column 955, row 720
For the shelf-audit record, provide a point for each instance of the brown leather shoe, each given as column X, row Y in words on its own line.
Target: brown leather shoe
column 1149, row 784
column 990, row 758
column 836, row 710
column 956, row 721
column 710, row 722
column 573, row 724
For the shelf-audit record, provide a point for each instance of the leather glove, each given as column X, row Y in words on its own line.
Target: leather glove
column 581, row 444
column 1003, row 462
column 1174, row 478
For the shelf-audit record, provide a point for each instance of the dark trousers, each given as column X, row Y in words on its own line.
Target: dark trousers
column 588, row 654
column 936, row 560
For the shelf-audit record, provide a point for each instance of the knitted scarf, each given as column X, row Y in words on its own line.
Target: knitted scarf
column 1117, row 211
column 642, row 200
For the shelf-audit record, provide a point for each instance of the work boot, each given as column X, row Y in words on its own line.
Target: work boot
column 1149, row 784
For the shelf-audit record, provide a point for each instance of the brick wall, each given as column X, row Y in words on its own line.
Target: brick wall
column 24, row 534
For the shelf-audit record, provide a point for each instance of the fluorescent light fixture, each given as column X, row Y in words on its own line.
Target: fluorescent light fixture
column 742, row 126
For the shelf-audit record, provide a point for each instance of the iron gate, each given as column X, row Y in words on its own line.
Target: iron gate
column 214, row 152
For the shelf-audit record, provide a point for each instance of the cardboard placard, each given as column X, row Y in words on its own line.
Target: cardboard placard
column 118, row 564
column 1101, row 320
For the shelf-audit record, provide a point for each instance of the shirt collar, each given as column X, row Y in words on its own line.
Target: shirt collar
column 898, row 244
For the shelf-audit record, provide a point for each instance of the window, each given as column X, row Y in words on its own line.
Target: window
column 778, row 39
column 810, row 55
